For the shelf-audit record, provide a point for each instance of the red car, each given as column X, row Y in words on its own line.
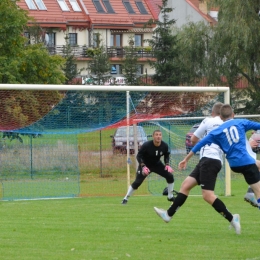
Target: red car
column 188, row 143
column 256, row 136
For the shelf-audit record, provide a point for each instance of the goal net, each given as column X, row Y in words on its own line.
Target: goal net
column 177, row 133
column 58, row 141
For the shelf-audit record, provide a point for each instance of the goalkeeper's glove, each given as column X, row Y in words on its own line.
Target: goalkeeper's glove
column 145, row 170
column 169, row 169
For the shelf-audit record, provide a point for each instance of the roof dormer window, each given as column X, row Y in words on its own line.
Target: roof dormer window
column 128, row 7
column 75, row 5
column 31, row 5
column 141, row 7
column 63, row 5
column 35, row 4
column 108, row 6
column 40, row 4
column 98, row 6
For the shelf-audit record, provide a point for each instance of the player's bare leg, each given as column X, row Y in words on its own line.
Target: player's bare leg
column 250, row 195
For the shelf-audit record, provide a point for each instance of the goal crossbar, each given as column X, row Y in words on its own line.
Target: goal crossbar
column 114, row 88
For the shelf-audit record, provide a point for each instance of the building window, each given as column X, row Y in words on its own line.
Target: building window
column 116, row 40
column 140, row 69
column 138, row 40
column 63, row 5
column 75, row 5
column 108, row 6
column 116, row 69
column 40, row 4
column 98, row 6
column 141, row 7
column 113, row 69
column 51, row 40
column 73, row 39
column 128, row 7
column 31, row 5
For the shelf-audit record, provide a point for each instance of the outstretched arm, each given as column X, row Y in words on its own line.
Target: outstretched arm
column 183, row 164
column 254, row 144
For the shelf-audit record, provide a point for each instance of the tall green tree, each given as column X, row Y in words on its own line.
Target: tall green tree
column 228, row 52
column 36, row 66
column 24, row 64
column 21, row 63
column 70, row 66
column 164, row 45
column 11, row 30
column 130, row 66
column 193, row 45
column 100, row 65
column 236, row 42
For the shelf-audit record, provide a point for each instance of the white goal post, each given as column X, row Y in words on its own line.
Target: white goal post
column 129, row 89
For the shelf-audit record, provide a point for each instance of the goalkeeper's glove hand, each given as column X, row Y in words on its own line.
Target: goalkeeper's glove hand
column 169, row 169
column 145, row 170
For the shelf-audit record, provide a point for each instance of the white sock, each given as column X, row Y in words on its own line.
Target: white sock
column 170, row 190
column 129, row 192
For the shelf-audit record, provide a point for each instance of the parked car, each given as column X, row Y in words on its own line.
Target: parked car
column 119, row 144
column 188, row 143
column 256, row 136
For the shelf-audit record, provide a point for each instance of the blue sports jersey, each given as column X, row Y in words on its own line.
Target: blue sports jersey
column 231, row 138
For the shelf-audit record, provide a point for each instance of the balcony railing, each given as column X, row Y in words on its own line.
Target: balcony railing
column 113, row 52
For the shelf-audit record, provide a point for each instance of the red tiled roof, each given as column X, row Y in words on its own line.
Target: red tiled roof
column 80, row 19
column 121, row 19
column 49, row 16
column 54, row 16
column 140, row 19
column 195, row 5
column 154, row 7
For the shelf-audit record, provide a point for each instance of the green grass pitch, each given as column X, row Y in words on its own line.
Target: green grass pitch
column 101, row 228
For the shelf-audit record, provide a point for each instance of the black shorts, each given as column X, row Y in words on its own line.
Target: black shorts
column 206, row 172
column 250, row 172
column 158, row 168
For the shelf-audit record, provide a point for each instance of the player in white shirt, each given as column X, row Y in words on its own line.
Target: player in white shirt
column 204, row 174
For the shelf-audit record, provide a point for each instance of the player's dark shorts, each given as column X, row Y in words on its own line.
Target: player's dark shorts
column 250, row 172
column 206, row 172
column 158, row 168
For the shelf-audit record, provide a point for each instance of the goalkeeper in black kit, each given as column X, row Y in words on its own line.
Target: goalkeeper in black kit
column 149, row 159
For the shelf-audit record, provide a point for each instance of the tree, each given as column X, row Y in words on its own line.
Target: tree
column 12, row 23
column 130, row 66
column 193, row 41
column 21, row 63
column 36, row 66
column 227, row 52
column 70, row 67
column 99, row 66
column 24, row 64
column 35, row 32
column 164, row 45
column 236, row 44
